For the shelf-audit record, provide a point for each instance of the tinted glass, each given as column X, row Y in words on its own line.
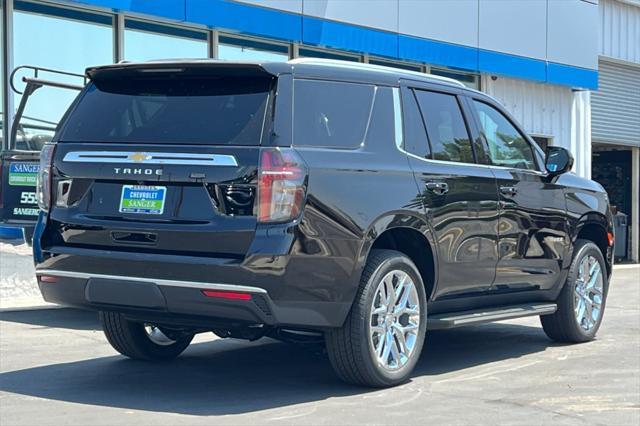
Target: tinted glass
column 445, row 127
column 415, row 135
column 401, row 65
column 202, row 110
column 381, row 129
column 469, row 80
column 331, row 114
column 234, row 49
column 507, row 146
column 144, row 41
column 312, row 53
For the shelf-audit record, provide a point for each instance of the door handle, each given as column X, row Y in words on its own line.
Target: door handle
column 510, row 191
column 439, row 188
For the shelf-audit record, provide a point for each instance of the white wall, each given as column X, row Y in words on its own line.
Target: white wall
column 432, row 20
column 562, row 31
column 548, row 110
column 515, row 27
column 572, row 35
column 294, row 6
column 619, row 30
column 381, row 14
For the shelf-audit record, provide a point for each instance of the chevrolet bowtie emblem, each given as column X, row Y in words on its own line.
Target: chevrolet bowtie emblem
column 139, row 157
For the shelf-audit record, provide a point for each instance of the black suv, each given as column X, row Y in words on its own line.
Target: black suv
column 311, row 199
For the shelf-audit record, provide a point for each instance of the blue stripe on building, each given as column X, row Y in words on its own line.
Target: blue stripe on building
column 291, row 27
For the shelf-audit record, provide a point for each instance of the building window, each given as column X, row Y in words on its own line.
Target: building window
column 145, row 41
column 393, row 64
column 470, row 80
column 542, row 141
column 241, row 49
column 57, row 38
column 305, row 52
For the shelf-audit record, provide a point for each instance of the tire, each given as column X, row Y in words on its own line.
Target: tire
column 133, row 340
column 351, row 347
column 564, row 325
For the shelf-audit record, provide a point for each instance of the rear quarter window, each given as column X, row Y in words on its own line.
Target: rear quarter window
column 331, row 114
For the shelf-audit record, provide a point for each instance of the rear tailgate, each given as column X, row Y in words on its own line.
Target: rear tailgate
column 162, row 160
column 199, row 200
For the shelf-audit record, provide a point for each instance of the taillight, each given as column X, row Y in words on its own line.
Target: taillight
column 231, row 295
column 44, row 177
column 281, row 185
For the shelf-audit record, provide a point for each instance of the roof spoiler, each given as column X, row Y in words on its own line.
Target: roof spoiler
column 173, row 68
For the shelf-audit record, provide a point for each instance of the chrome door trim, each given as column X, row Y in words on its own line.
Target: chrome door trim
column 137, row 157
column 157, row 281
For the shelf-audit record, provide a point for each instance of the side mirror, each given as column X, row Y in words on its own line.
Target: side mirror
column 558, row 161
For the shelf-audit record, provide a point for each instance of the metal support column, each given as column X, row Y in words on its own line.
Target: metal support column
column 7, row 67
column 118, row 37
column 212, row 43
column 635, row 204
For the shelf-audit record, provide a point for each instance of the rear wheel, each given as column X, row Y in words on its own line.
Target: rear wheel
column 381, row 339
column 142, row 341
column 582, row 300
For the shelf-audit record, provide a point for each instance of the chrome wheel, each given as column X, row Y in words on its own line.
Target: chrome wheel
column 395, row 320
column 157, row 336
column 588, row 293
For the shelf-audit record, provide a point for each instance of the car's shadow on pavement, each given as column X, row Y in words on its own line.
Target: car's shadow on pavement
column 55, row 318
column 230, row 376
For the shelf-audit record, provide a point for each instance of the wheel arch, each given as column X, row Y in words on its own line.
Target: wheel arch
column 409, row 234
column 595, row 227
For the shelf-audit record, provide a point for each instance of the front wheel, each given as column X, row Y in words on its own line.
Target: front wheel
column 142, row 341
column 582, row 300
column 381, row 339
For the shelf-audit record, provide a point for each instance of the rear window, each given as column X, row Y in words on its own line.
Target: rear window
column 191, row 110
column 331, row 114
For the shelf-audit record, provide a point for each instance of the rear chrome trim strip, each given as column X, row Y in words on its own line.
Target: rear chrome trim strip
column 129, row 157
column 160, row 282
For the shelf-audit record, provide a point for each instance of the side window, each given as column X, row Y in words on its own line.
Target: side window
column 507, row 146
column 445, row 127
column 330, row 114
column 415, row 135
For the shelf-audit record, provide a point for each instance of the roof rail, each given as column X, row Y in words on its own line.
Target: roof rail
column 371, row 67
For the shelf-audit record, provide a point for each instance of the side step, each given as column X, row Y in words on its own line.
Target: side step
column 459, row 319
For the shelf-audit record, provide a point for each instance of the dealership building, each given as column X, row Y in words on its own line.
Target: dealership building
column 568, row 70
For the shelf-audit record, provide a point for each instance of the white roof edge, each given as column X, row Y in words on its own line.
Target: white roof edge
column 371, row 67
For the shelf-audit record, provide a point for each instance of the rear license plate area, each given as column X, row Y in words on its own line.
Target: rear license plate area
column 142, row 199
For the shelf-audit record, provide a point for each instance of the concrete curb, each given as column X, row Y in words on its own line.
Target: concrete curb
column 627, row 266
column 25, row 304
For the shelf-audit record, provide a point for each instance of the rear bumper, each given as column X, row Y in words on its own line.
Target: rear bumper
column 292, row 291
column 170, row 301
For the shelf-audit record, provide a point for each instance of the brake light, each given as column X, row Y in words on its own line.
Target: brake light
column 231, row 295
column 43, row 187
column 610, row 238
column 281, row 185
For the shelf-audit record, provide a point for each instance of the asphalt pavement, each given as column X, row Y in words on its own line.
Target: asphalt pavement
column 57, row 368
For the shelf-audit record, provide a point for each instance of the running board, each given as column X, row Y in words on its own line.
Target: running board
column 459, row 319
